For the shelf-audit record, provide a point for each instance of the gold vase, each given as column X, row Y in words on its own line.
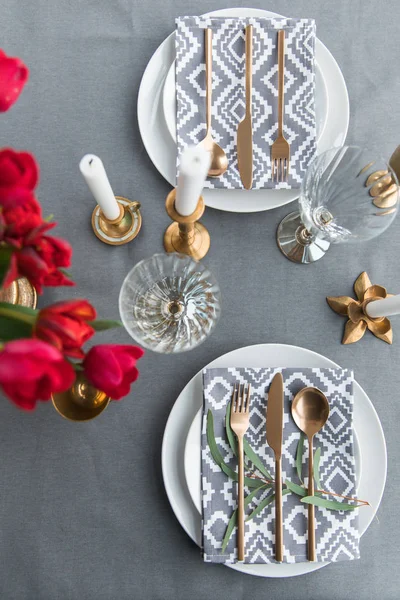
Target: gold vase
column 82, row 402
column 21, row 292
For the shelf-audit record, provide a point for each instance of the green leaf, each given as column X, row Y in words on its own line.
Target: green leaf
column 331, row 504
column 11, row 329
column 317, row 458
column 247, row 449
column 5, row 258
column 48, row 218
column 18, row 313
column 265, row 503
column 215, row 453
column 66, row 273
column 299, row 456
column 296, row 489
column 104, row 324
column 233, row 520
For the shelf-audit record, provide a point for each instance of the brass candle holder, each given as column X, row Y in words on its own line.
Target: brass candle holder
column 20, row 292
column 356, row 311
column 121, row 230
column 82, row 402
column 186, row 235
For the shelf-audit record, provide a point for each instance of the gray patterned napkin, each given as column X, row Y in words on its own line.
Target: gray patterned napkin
column 337, row 535
column 229, row 92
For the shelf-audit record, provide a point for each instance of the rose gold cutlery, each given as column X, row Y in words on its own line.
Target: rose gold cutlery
column 310, row 411
column 274, row 427
column 239, row 424
column 280, row 149
column 245, row 131
column 219, row 161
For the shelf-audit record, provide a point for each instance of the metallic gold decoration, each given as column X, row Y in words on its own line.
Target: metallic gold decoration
column 280, row 149
column 219, row 160
column 384, row 189
column 121, row 230
column 245, row 128
column 358, row 319
column 186, row 235
column 21, row 292
column 81, row 402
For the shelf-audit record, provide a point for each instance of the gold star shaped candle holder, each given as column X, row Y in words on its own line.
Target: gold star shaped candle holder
column 356, row 311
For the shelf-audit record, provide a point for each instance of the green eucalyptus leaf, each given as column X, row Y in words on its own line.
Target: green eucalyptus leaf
column 296, row 489
column 215, row 453
column 330, row 504
column 317, row 458
column 5, row 259
column 233, row 520
column 299, row 456
column 265, row 503
column 104, row 324
column 12, row 329
column 247, row 449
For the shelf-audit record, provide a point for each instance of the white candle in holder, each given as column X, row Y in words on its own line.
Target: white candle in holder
column 194, row 164
column 384, row 307
column 95, row 175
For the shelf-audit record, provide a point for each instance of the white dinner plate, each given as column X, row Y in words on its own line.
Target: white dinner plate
column 366, row 423
column 169, row 102
column 193, row 460
column 161, row 147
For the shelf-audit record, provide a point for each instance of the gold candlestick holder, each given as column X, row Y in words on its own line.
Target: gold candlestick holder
column 186, row 235
column 81, row 402
column 356, row 311
column 20, row 292
column 121, row 230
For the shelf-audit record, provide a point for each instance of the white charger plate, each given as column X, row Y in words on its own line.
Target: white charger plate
column 193, row 460
column 366, row 423
column 161, row 147
column 169, row 101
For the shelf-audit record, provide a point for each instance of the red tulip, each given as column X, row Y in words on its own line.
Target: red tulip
column 13, row 76
column 18, row 221
column 32, row 370
column 19, row 175
column 64, row 325
column 112, row 368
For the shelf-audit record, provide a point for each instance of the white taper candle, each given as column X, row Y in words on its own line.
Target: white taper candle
column 95, row 175
column 384, row 307
column 194, row 164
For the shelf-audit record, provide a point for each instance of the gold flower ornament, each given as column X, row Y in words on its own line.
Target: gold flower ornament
column 358, row 319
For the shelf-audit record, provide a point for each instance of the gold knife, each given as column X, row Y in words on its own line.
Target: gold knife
column 274, row 428
column 245, row 131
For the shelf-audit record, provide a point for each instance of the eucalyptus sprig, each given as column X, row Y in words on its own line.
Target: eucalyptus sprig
column 260, row 481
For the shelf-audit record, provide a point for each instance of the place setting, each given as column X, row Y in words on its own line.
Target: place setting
column 273, row 456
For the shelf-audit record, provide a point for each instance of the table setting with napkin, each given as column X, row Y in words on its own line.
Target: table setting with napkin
column 337, row 534
column 228, row 104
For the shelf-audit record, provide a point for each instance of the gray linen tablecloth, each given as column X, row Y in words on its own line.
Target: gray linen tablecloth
column 83, row 511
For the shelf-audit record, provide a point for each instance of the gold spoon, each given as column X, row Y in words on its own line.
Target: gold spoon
column 310, row 411
column 219, row 161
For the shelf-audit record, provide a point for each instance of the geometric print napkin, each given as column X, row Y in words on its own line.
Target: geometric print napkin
column 228, row 94
column 337, row 534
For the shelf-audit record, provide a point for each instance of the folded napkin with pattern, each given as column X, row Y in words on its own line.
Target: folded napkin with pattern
column 228, row 99
column 337, row 534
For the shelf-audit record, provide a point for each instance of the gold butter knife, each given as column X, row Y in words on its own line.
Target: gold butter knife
column 245, row 132
column 274, row 428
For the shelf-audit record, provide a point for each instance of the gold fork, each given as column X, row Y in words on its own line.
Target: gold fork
column 280, row 150
column 239, row 424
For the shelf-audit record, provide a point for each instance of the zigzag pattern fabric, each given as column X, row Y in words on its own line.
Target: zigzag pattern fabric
column 228, row 106
column 337, row 534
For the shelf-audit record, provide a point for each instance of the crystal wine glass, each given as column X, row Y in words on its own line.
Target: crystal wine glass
column 347, row 195
column 170, row 303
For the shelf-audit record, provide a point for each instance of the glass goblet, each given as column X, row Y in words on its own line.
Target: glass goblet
column 347, row 195
column 170, row 303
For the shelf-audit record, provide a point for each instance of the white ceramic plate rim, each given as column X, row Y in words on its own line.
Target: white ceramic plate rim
column 187, row 405
column 162, row 150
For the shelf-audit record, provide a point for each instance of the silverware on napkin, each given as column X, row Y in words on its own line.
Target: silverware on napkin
column 274, row 426
column 245, row 128
column 280, row 150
